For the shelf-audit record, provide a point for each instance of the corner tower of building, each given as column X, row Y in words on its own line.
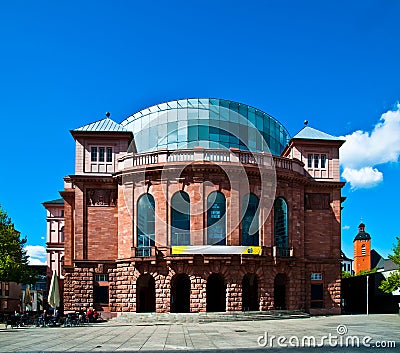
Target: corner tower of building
column 318, row 151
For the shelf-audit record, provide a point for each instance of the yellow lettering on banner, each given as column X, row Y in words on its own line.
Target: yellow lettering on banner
column 178, row 250
column 252, row 250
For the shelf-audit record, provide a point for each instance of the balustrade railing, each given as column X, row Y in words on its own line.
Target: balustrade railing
column 278, row 251
column 210, row 155
column 181, row 156
column 180, row 238
column 145, row 158
column 143, row 251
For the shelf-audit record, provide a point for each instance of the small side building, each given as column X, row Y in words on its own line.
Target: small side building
column 354, row 289
column 55, row 240
column 10, row 297
column 347, row 263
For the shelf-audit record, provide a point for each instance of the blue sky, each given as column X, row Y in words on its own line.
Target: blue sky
column 63, row 64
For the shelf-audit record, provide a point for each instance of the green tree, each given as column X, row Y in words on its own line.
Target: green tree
column 13, row 258
column 366, row 272
column 392, row 283
column 346, row 274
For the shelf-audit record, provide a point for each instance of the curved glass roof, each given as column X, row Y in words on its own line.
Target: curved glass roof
column 210, row 123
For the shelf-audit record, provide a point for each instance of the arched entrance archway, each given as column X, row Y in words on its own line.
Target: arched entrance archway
column 216, row 293
column 250, row 292
column 180, row 294
column 145, row 294
column 280, row 291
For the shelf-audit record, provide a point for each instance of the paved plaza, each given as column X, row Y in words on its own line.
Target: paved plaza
column 240, row 336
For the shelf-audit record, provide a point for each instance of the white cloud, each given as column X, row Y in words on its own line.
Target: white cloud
column 363, row 178
column 37, row 254
column 346, row 227
column 33, row 261
column 363, row 151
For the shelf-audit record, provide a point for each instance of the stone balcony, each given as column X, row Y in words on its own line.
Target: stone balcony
column 202, row 155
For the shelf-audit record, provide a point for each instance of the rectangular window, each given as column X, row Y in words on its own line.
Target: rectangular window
column 323, row 161
column 316, row 277
column 310, row 160
column 6, row 289
column 93, row 154
column 109, row 155
column 101, row 154
column 316, row 160
column 62, row 213
column 101, row 278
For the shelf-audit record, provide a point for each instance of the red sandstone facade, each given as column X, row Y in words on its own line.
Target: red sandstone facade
column 102, row 267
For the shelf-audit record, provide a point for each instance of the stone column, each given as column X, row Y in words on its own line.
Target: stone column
column 163, row 293
column 195, row 191
column 80, row 211
column 233, row 212
column 160, row 193
column 234, row 297
column 198, row 300
column 125, row 220
column 266, row 292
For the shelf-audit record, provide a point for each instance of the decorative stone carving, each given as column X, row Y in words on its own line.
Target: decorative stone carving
column 100, row 197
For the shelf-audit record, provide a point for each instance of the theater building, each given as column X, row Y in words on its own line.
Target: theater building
column 202, row 205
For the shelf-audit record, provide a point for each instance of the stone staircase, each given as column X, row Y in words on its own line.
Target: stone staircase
column 169, row 318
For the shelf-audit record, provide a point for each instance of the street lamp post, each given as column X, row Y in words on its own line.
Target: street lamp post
column 367, row 295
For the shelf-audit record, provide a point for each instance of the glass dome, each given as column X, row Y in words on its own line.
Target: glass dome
column 210, row 123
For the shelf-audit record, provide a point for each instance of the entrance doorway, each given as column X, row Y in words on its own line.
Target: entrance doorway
column 216, row 293
column 250, row 292
column 280, row 291
column 145, row 294
column 180, row 294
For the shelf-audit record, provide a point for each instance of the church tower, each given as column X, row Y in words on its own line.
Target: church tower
column 362, row 250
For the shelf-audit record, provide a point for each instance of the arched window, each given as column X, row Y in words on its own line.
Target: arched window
column 180, row 219
column 281, row 236
column 250, row 221
column 145, row 224
column 216, row 223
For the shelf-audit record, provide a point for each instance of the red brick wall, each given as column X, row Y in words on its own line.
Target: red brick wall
column 69, row 204
column 102, row 233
